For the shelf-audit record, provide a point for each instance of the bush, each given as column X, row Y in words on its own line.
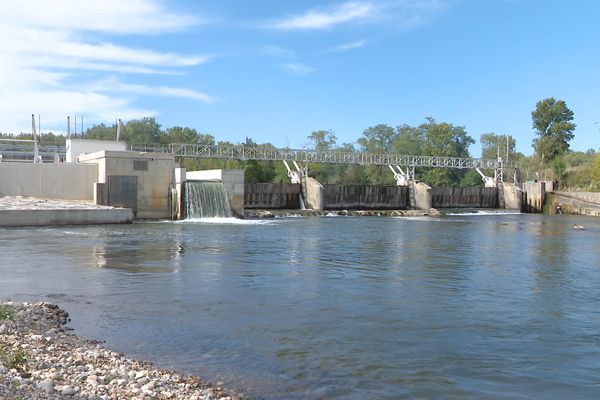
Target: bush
column 6, row 312
column 12, row 357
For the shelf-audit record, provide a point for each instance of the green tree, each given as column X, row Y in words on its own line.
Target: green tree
column 101, row 132
column 378, row 139
column 322, row 140
column 493, row 144
column 178, row 134
column 552, row 123
column 445, row 140
column 408, row 140
column 141, row 131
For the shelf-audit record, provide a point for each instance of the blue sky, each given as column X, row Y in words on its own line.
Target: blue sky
column 276, row 70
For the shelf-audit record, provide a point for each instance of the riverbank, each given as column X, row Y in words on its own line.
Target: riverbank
column 41, row 359
column 432, row 212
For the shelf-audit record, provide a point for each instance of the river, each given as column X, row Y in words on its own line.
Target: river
column 464, row 306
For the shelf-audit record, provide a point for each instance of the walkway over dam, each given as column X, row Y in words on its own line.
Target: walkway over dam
column 244, row 153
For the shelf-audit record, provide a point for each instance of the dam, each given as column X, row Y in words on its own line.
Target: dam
column 148, row 181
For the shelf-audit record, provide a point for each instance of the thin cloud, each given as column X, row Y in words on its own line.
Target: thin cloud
column 399, row 14
column 349, row 46
column 120, row 87
column 278, row 51
column 299, row 69
column 325, row 19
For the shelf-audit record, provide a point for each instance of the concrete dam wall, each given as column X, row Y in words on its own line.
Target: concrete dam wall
column 272, row 196
column 464, row 197
column 365, row 197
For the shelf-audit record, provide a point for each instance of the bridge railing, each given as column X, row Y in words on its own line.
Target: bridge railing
column 244, row 153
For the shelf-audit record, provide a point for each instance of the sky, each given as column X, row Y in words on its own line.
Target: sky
column 275, row 71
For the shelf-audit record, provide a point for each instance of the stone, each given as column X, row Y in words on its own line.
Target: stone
column 46, row 385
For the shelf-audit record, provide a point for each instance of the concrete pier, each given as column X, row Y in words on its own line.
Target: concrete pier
column 18, row 211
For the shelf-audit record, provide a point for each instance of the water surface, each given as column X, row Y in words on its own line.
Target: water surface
column 464, row 307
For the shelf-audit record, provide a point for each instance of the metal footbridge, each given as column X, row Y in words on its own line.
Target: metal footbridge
column 246, row 153
column 19, row 152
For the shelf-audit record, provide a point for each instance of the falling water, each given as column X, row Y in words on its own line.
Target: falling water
column 206, row 200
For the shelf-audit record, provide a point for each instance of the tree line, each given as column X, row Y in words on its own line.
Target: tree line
column 552, row 159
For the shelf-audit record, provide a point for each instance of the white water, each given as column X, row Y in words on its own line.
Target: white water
column 206, row 200
column 476, row 213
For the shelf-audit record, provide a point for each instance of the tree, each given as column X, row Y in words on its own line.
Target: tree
column 101, row 132
column 177, row 134
column 141, row 131
column 323, row 140
column 492, row 144
column 409, row 140
column 445, row 140
column 552, row 122
column 378, row 139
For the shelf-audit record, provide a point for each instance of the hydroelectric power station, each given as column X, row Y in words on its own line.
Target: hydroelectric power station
column 146, row 182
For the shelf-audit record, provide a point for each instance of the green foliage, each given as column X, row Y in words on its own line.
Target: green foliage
column 13, row 357
column 322, row 140
column 409, row 140
column 377, row 139
column 445, row 140
column 6, row 312
column 552, row 122
column 492, row 144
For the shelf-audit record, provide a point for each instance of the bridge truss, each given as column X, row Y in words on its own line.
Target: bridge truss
column 20, row 152
column 244, row 153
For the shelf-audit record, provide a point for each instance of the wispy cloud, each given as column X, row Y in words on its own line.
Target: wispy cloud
column 114, row 86
column 349, row 46
column 47, row 45
column 278, row 51
column 299, row 69
column 327, row 18
column 401, row 14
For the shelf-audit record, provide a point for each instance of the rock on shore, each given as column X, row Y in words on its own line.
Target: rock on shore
column 41, row 359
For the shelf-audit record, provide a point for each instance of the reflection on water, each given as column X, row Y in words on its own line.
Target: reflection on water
column 497, row 306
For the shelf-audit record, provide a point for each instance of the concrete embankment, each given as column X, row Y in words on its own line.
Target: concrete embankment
column 41, row 359
column 579, row 203
column 18, row 211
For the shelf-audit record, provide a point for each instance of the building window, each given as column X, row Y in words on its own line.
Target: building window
column 140, row 165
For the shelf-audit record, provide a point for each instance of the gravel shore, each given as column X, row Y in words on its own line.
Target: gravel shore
column 41, row 359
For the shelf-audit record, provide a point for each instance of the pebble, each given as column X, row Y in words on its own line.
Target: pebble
column 62, row 365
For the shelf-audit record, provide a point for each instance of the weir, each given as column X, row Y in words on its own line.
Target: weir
column 205, row 200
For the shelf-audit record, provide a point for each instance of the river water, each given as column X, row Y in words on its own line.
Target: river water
column 463, row 307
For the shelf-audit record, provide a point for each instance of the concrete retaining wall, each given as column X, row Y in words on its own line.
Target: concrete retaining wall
column 464, row 197
column 365, row 197
column 591, row 197
column 312, row 193
column 52, row 181
column 272, row 196
column 422, row 193
column 513, row 196
column 579, row 203
column 14, row 218
column 534, row 194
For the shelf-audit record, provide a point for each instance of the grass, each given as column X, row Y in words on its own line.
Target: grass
column 6, row 312
column 13, row 357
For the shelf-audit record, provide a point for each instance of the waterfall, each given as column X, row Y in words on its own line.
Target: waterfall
column 206, row 200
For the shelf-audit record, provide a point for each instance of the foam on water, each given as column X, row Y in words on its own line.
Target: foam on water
column 478, row 213
column 225, row 221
